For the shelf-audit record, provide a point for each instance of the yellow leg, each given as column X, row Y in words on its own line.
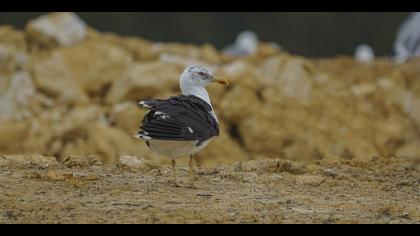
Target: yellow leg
column 192, row 165
column 174, row 172
column 193, row 177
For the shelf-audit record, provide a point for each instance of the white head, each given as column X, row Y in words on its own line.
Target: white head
column 194, row 79
column 198, row 76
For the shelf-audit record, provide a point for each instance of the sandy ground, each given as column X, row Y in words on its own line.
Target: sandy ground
column 262, row 191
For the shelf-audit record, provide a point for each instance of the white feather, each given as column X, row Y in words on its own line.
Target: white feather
column 141, row 103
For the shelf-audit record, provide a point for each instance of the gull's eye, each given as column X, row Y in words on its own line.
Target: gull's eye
column 201, row 73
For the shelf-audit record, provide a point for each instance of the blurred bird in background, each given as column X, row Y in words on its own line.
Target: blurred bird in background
column 246, row 44
column 364, row 53
column 407, row 43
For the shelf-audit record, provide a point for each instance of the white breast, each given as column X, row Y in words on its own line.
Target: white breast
column 176, row 149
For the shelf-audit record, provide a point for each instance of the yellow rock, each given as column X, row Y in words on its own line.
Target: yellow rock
column 127, row 116
column 11, row 136
column 55, row 29
column 143, row 80
column 53, row 77
column 96, row 65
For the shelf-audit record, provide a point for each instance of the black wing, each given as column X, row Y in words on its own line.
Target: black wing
column 178, row 118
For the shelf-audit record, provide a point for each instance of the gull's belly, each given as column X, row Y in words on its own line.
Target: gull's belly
column 176, row 149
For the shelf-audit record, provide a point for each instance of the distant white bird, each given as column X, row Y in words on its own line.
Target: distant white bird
column 182, row 125
column 407, row 44
column 364, row 53
column 246, row 44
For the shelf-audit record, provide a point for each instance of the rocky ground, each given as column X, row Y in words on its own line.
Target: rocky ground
column 70, row 93
column 39, row 190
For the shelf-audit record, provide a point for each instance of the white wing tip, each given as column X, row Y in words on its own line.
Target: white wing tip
column 142, row 136
column 143, row 104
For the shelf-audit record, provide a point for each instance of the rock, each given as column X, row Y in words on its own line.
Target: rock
column 39, row 138
column 411, row 149
column 240, row 73
column 52, row 77
column 223, row 149
column 389, row 136
column 54, row 175
column 11, row 136
column 414, row 213
column 329, row 172
column 144, row 80
column 206, row 54
column 127, row 116
column 238, row 103
column 11, row 59
column 270, row 68
column 95, row 65
column 69, row 125
column 268, row 49
column 55, row 29
column 12, row 37
column 408, row 102
column 20, row 100
column 389, row 210
column 28, row 161
column 271, row 166
column 80, row 161
column 310, row 180
column 363, row 89
column 140, row 49
column 135, row 163
column 295, row 81
column 74, row 177
column 105, row 142
column 209, row 54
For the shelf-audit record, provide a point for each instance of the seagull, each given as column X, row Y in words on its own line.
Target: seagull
column 364, row 53
column 246, row 44
column 182, row 125
column 407, row 43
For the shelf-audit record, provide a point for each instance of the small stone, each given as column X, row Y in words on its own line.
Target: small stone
column 311, row 180
column 329, row 172
column 80, row 161
column 135, row 163
column 28, row 161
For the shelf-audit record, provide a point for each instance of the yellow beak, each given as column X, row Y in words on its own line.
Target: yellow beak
column 220, row 81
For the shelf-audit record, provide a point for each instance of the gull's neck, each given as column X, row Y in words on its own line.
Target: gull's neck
column 197, row 91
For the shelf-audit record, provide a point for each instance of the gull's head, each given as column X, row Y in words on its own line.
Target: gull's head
column 199, row 76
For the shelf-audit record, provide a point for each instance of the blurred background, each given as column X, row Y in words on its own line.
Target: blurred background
column 310, row 34
column 66, row 89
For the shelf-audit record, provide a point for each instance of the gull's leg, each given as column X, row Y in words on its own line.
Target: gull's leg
column 193, row 177
column 174, row 173
column 191, row 166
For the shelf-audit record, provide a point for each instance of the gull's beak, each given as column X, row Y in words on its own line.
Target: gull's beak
column 220, row 81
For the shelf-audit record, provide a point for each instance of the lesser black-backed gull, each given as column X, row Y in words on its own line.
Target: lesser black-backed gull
column 182, row 125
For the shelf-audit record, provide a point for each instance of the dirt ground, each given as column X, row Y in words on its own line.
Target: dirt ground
column 261, row 191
